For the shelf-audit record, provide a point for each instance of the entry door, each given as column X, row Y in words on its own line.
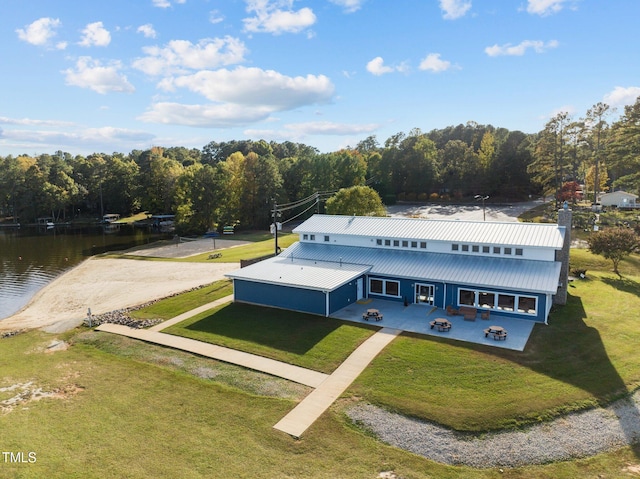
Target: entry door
column 360, row 289
column 425, row 294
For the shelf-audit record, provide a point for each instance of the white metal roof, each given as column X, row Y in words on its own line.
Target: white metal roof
column 299, row 272
column 490, row 272
column 472, row 232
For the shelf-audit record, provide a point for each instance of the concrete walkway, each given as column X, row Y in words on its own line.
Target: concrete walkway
column 191, row 313
column 251, row 361
column 311, row 408
column 328, row 388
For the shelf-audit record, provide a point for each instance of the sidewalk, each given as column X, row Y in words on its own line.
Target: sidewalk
column 311, row 408
column 328, row 388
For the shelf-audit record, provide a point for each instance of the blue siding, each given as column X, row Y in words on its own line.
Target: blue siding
column 286, row 297
column 343, row 296
column 540, row 316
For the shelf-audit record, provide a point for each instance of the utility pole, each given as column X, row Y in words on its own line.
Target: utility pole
column 482, row 197
column 275, row 225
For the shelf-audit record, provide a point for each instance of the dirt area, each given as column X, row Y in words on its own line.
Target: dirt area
column 108, row 284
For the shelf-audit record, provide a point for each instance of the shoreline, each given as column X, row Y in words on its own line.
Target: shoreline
column 104, row 285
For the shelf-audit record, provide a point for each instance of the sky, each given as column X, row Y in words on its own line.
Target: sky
column 118, row 75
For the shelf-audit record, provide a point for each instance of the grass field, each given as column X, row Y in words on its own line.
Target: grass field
column 120, row 408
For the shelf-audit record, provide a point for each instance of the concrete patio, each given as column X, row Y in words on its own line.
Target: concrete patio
column 416, row 318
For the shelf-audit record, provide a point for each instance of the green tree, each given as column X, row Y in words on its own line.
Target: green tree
column 598, row 127
column 623, row 152
column 356, row 200
column 614, row 244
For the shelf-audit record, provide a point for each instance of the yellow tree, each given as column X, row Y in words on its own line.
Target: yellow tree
column 603, row 179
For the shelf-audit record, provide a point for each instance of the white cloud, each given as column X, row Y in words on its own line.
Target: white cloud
column 165, row 3
column 432, row 62
column 545, row 7
column 204, row 116
column 95, row 34
column 39, row 32
column 621, row 96
column 100, row 78
column 215, row 17
column 520, row 49
column 92, row 139
column 349, row 6
column 271, row 17
column 377, row 67
column 31, row 122
column 330, row 128
column 254, row 86
column 454, row 9
column 178, row 56
column 147, row 30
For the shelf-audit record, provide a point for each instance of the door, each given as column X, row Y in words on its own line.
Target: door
column 425, row 294
column 360, row 289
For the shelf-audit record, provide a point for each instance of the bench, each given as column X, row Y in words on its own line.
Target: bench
column 469, row 313
column 451, row 311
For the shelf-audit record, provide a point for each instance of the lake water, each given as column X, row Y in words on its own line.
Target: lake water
column 31, row 257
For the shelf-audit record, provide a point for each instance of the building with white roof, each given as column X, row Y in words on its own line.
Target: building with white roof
column 511, row 269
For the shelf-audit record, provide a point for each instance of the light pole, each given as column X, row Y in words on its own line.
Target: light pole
column 482, row 197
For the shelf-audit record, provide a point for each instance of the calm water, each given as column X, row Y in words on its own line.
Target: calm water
column 31, row 257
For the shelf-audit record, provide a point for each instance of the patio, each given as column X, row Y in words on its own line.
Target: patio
column 416, row 319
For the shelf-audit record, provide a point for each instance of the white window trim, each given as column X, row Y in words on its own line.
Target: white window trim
column 384, row 287
column 516, row 304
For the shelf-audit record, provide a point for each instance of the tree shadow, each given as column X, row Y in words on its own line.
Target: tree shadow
column 623, row 284
column 573, row 352
column 279, row 329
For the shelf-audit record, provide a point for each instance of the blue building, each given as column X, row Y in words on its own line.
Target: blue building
column 511, row 269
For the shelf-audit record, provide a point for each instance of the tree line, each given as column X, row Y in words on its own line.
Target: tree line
column 237, row 182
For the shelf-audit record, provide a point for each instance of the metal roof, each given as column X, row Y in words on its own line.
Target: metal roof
column 490, row 272
column 472, row 232
column 302, row 273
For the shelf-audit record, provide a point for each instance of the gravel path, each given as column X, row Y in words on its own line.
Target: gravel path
column 573, row 436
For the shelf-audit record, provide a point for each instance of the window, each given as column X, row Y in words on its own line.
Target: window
column 387, row 242
column 527, row 305
column 506, row 302
column 475, row 248
column 454, row 247
column 485, row 249
column 465, row 247
column 396, row 243
column 423, row 244
column 326, row 238
column 414, row 244
column 518, row 251
column 312, row 237
column 496, row 250
column 507, row 251
column 379, row 242
column 392, row 288
column 375, row 286
column 486, row 300
column 305, row 237
column 467, row 297
column 385, row 287
column 405, row 244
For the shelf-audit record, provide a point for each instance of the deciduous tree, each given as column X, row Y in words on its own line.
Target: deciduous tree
column 614, row 244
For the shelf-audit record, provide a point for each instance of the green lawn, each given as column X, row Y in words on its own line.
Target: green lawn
column 171, row 307
column 129, row 409
column 305, row 340
column 227, row 255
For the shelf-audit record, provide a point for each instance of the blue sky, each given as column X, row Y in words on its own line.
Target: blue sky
column 114, row 76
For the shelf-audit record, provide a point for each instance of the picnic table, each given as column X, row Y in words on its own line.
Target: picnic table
column 497, row 332
column 372, row 313
column 441, row 324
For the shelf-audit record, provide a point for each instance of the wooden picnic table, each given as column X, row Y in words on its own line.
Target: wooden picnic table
column 372, row 313
column 441, row 324
column 497, row 332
